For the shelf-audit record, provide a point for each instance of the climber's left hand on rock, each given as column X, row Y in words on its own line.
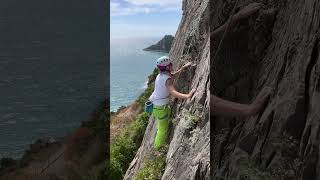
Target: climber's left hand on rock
column 191, row 93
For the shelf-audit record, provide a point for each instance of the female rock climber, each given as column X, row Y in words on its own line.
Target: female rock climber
column 221, row 107
column 160, row 97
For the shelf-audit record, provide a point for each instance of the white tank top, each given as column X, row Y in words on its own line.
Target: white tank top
column 160, row 95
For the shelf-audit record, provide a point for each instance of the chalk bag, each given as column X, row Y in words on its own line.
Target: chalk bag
column 148, row 107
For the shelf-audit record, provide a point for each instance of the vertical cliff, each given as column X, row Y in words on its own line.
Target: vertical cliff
column 188, row 153
column 279, row 48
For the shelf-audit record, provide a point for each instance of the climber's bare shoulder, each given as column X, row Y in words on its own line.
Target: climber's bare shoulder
column 169, row 84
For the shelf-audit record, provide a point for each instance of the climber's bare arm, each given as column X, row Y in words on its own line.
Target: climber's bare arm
column 221, row 107
column 247, row 11
column 173, row 92
column 175, row 74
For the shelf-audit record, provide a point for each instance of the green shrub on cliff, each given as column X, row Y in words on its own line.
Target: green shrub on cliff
column 98, row 125
column 125, row 145
column 153, row 166
column 152, row 169
column 123, row 150
column 99, row 119
column 138, row 128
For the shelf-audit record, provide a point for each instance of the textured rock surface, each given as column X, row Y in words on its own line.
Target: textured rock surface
column 188, row 156
column 282, row 52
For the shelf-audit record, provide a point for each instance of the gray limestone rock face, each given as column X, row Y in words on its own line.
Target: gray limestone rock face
column 278, row 47
column 188, row 155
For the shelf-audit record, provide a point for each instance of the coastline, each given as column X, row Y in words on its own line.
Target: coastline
column 154, row 50
column 127, row 128
column 45, row 154
column 130, row 68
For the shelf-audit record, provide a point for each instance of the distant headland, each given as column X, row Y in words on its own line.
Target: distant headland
column 164, row 45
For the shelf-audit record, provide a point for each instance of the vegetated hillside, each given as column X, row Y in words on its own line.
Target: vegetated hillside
column 80, row 155
column 122, row 117
column 188, row 154
column 279, row 47
column 163, row 45
column 128, row 125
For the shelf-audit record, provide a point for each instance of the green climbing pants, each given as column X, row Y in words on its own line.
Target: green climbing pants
column 162, row 115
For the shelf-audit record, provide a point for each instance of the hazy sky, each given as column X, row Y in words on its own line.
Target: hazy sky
column 144, row 18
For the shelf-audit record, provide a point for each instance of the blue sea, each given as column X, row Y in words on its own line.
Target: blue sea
column 52, row 69
column 130, row 68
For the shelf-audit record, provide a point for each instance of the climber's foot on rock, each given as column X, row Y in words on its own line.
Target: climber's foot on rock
column 260, row 101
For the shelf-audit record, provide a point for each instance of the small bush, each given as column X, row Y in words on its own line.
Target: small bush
column 153, row 166
column 114, row 169
column 126, row 144
column 138, row 128
column 123, row 151
column 100, row 117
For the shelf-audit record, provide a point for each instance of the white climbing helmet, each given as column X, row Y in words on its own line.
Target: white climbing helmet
column 163, row 61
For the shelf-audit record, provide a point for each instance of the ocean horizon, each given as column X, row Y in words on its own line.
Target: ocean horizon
column 130, row 67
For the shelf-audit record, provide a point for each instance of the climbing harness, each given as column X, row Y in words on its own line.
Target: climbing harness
column 148, row 106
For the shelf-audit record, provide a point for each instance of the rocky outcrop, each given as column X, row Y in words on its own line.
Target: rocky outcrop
column 164, row 45
column 188, row 155
column 277, row 48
